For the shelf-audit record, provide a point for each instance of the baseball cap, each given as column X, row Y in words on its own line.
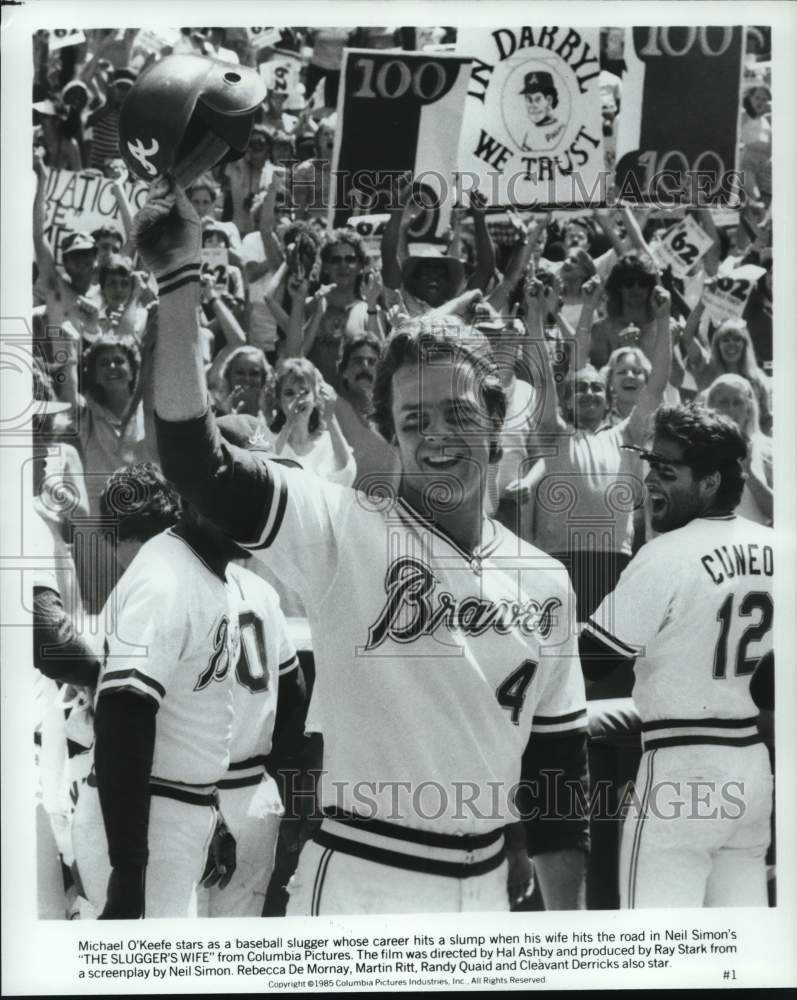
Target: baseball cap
column 75, row 242
column 243, row 431
column 247, row 432
column 538, row 80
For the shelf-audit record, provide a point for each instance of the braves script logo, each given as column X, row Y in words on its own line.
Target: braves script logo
column 409, row 584
column 140, row 153
column 226, row 646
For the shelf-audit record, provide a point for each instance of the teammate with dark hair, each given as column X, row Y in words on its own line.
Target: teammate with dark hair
column 445, row 649
column 187, row 630
column 693, row 612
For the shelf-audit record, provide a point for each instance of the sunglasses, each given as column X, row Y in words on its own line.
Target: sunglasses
column 348, row 258
column 590, row 387
column 654, row 460
column 636, row 282
column 258, row 144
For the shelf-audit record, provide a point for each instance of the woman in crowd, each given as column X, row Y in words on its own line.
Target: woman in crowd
column 249, row 175
column 734, row 396
column 247, row 386
column 204, row 196
column 348, row 308
column 306, row 430
column 756, row 139
column 629, row 291
column 626, row 372
column 110, row 417
column 731, row 353
column 125, row 298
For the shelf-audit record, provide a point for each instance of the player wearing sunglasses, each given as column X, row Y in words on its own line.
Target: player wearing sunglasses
column 693, row 614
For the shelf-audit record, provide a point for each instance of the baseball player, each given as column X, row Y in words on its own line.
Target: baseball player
column 694, row 611
column 444, row 646
column 163, row 725
column 249, row 798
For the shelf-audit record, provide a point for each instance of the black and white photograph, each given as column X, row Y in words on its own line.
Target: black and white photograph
column 391, row 425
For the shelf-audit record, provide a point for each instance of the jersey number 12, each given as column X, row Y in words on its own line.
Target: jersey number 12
column 756, row 601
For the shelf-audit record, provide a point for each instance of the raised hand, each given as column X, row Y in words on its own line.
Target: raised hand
column 533, row 291
column 591, row 291
column 660, row 301
column 373, row 289
column 167, row 231
column 478, row 202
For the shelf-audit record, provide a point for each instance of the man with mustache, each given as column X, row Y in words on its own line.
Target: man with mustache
column 376, row 459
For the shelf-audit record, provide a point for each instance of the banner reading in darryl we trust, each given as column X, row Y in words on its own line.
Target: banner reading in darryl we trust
column 678, row 121
column 532, row 128
column 397, row 112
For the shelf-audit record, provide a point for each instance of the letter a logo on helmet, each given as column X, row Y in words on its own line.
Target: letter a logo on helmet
column 138, row 152
column 195, row 111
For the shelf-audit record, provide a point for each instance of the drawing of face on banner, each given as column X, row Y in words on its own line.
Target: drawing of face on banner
column 537, row 114
column 532, row 130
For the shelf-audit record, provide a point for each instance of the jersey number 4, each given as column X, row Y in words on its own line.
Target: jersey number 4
column 756, row 601
column 511, row 692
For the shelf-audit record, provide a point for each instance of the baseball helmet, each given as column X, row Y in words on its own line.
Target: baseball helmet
column 187, row 113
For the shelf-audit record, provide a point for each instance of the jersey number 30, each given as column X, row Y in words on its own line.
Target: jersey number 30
column 756, row 601
column 251, row 667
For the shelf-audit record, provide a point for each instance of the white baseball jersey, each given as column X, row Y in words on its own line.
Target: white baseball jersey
column 175, row 640
column 266, row 653
column 695, row 606
column 433, row 666
column 248, row 795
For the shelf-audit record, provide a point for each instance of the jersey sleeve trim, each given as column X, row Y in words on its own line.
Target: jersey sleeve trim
column 568, row 722
column 288, row 665
column 273, row 512
column 133, row 680
column 606, row 638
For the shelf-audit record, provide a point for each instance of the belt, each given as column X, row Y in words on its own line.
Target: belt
column 689, row 732
column 451, row 855
column 193, row 795
column 244, row 773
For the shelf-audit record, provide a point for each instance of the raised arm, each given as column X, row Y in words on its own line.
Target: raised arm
column 635, row 237
column 527, row 240
column 294, row 329
column 391, row 238
column 225, row 483
column 591, row 292
column 485, row 251
column 603, row 220
column 697, row 354
column 45, row 259
column 117, row 175
column 536, row 359
column 230, row 327
column 653, row 391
